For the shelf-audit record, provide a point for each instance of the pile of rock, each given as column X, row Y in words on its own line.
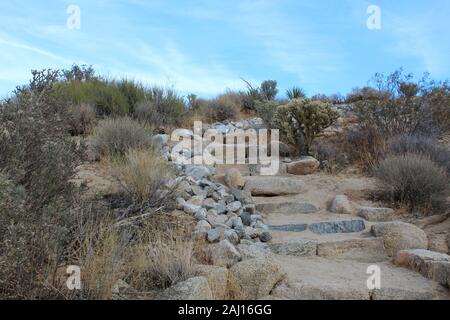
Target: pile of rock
column 222, row 212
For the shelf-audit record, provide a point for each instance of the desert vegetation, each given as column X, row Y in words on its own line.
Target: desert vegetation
column 393, row 131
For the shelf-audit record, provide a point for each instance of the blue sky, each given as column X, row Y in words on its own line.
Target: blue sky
column 206, row 46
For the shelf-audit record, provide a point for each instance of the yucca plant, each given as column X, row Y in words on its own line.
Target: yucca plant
column 295, row 93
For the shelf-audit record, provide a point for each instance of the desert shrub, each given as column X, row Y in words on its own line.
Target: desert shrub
column 162, row 107
column 142, row 174
column 295, row 93
column 79, row 73
column 413, row 180
column 330, row 155
column 35, row 150
column 364, row 145
column 117, row 136
column 335, row 98
column 268, row 90
column 134, row 92
column 106, row 97
column 420, row 145
column 80, row 119
column 39, row 158
column 250, row 96
column 224, row 107
column 439, row 102
column 301, row 121
column 396, row 105
column 266, row 110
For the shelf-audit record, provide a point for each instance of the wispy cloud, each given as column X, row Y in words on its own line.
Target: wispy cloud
column 415, row 37
column 291, row 45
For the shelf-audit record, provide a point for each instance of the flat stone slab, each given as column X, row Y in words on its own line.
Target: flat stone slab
column 289, row 227
column 430, row 264
column 364, row 250
column 299, row 248
column 376, row 214
column 287, row 207
column 338, row 226
column 273, row 185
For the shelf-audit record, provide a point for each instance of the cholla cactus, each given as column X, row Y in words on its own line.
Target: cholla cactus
column 301, row 121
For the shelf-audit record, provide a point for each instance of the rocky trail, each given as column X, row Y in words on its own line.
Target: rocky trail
column 326, row 254
column 300, row 234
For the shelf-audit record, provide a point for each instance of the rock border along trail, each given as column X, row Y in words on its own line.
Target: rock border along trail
column 301, row 237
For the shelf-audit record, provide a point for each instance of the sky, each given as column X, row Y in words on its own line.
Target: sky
column 208, row 46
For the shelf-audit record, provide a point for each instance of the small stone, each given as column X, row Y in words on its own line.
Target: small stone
column 234, row 206
column 244, row 196
column 304, row 166
column 203, row 225
column 233, row 178
column 198, row 191
column 161, row 139
column 250, row 208
column 180, row 202
column 246, row 218
column 198, row 172
column 196, row 200
column 341, row 205
column 265, row 236
column 200, row 214
column 232, row 236
column 224, row 254
column 216, row 234
column 190, row 208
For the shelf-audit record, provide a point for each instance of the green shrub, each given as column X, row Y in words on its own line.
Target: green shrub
column 37, row 161
column 266, row 111
column 162, row 107
column 133, row 92
column 117, row 136
column 413, row 180
column 106, row 97
column 301, row 121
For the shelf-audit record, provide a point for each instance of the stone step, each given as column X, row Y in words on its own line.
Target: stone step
column 273, row 185
column 359, row 249
column 430, row 264
column 344, row 226
column 289, row 207
column 299, row 248
column 320, row 278
column 289, row 227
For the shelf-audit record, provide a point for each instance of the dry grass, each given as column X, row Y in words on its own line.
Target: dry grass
column 102, row 256
column 117, row 136
column 142, row 173
column 163, row 254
